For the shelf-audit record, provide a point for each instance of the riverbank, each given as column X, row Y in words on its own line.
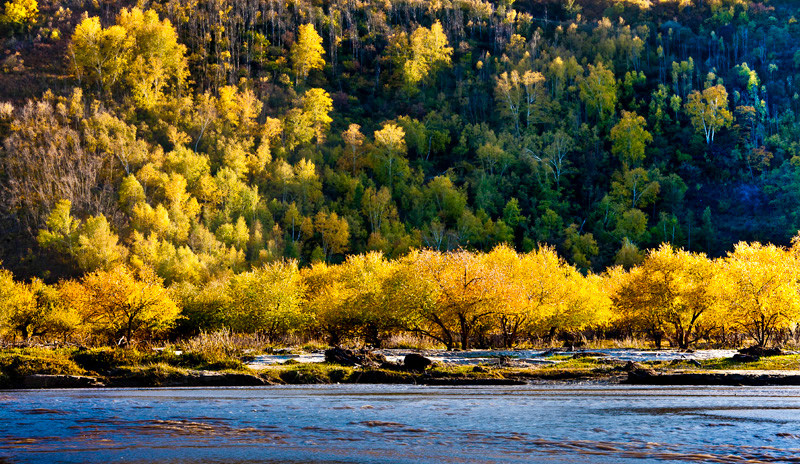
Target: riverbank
column 32, row 368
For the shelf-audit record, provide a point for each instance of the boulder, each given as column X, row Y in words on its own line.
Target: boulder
column 345, row 357
column 759, row 351
column 744, row 358
column 416, row 362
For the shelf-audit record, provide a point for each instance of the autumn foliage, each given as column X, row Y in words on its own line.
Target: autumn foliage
column 459, row 299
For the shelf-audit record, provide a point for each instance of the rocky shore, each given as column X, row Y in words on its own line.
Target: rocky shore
column 108, row 368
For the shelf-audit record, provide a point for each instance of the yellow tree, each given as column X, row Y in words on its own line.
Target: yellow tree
column 367, row 303
column 100, row 55
column 466, row 293
column 317, row 105
column 757, row 287
column 20, row 14
column 709, row 111
column 140, row 51
column 335, row 232
column 557, row 298
column 392, row 145
column 33, row 309
column 430, row 52
column 325, row 302
column 156, row 58
column 629, row 138
column 266, row 300
column 122, row 302
column 353, row 140
column 670, row 292
column 306, row 53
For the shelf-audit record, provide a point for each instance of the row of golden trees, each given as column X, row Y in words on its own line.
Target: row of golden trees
column 459, row 299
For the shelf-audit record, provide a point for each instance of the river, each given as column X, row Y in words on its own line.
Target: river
column 549, row 423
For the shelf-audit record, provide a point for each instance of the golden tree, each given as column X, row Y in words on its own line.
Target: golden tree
column 670, row 292
column 306, row 53
column 122, row 302
column 466, row 293
column 757, row 286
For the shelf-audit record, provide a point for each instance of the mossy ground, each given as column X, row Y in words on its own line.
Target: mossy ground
column 785, row 362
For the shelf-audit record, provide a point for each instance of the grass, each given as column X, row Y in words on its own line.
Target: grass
column 786, row 362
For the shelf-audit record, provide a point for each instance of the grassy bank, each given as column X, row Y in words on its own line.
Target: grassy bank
column 129, row 367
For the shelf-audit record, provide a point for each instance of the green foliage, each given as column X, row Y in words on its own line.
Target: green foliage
column 207, row 142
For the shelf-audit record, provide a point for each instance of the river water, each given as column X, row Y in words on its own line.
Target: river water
column 531, row 357
column 549, row 423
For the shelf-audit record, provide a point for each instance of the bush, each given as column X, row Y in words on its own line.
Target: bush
column 105, row 359
column 16, row 364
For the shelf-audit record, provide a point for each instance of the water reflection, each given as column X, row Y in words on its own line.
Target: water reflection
column 404, row 424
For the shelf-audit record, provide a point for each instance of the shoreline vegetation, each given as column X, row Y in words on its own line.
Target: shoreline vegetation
column 33, row 368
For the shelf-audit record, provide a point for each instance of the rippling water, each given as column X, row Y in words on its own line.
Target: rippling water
column 402, row 424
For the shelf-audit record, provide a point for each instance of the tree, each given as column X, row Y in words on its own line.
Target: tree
column 21, row 15
column 709, row 111
column 91, row 243
column 517, row 95
column 356, row 301
column 670, row 292
column 465, row 294
column 33, row 309
column 335, row 232
column 757, row 287
column 598, row 91
column 422, row 56
column 377, row 206
column 391, row 142
column 44, row 162
column 629, row 138
column 266, row 300
column 122, row 302
column 353, row 140
column 306, row 53
column 317, row 105
column 156, row 58
column 139, row 50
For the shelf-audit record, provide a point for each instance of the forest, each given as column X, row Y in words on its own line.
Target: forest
column 480, row 173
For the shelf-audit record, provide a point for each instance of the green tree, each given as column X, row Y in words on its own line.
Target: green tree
column 598, row 91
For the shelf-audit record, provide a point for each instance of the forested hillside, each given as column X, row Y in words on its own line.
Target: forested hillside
column 205, row 136
column 193, row 159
